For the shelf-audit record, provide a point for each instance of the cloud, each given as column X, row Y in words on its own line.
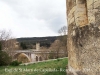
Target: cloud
column 29, row 18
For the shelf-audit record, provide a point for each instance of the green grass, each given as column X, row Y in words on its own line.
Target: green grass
column 58, row 67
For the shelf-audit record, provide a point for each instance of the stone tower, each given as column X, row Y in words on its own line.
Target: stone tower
column 37, row 46
column 83, row 37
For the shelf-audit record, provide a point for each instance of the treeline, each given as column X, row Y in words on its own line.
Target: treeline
column 29, row 43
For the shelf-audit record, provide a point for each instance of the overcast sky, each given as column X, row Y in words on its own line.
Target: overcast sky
column 32, row 18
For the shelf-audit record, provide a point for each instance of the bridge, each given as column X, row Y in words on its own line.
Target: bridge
column 25, row 56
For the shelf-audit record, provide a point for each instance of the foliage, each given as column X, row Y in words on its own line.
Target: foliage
column 0, row 46
column 56, row 48
column 58, row 59
column 63, row 37
column 52, row 55
column 15, row 63
column 7, row 42
column 44, row 41
column 23, row 46
column 63, row 30
column 5, row 59
column 63, row 40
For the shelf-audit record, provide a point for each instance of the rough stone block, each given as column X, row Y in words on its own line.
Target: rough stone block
column 84, row 38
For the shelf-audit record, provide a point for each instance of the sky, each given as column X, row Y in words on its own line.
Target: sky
column 32, row 18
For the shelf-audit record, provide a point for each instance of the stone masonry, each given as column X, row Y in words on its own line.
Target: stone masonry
column 83, row 18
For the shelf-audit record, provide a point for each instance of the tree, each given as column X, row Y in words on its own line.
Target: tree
column 23, row 46
column 10, row 44
column 63, row 30
column 56, row 47
column 0, row 46
column 5, row 59
column 63, row 37
column 7, row 43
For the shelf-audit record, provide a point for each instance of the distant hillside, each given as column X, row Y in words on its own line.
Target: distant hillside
column 44, row 41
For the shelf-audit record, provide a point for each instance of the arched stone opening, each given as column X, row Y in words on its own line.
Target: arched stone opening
column 40, row 58
column 36, row 58
column 22, row 57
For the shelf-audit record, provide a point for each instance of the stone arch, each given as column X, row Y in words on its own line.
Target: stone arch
column 40, row 58
column 37, row 58
column 22, row 57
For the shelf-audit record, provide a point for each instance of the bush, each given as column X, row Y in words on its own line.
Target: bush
column 15, row 63
column 58, row 59
column 5, row 59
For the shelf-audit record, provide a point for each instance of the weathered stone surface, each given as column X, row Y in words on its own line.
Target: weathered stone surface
column 83, row 37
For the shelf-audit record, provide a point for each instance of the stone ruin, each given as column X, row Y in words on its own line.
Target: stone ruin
column 83, row 18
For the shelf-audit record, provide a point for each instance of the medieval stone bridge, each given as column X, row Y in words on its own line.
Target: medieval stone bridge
column 31, row 55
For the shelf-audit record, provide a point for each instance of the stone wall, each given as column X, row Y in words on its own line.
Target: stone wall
column 83, row 37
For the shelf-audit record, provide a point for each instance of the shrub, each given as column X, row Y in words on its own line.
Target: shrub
column 58, row 59
column 5, row 59
column 15, row 63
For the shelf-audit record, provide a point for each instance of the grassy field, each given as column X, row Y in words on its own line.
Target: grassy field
column 54, row 67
